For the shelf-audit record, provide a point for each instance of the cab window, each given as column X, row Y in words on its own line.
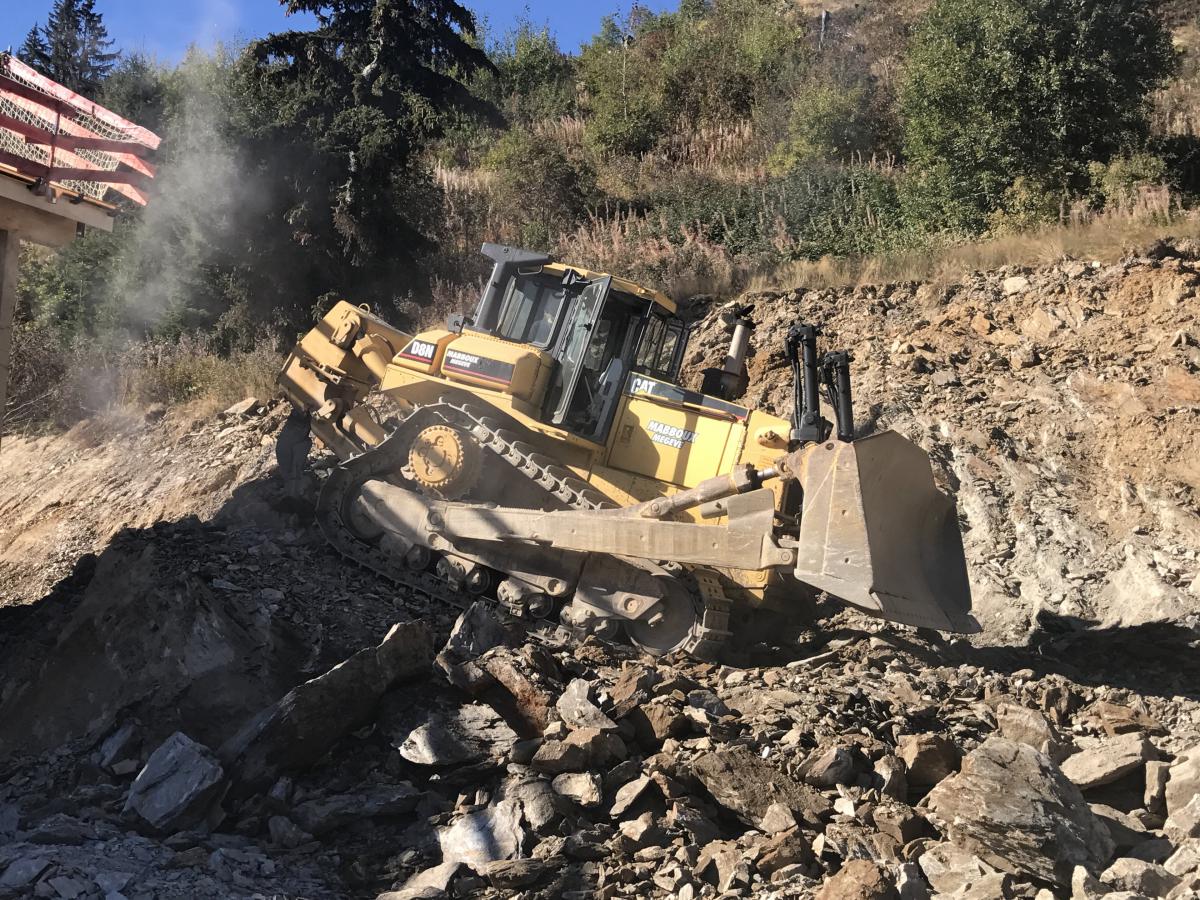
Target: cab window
column 532, row 305
column 648, row 352
column 661, row 343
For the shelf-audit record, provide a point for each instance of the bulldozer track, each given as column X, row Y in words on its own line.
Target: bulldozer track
column 426, row 588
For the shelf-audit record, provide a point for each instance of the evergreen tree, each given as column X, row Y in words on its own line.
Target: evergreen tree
column 98, row 57
column 354, row 102
column 35, row 50
column 73, row 47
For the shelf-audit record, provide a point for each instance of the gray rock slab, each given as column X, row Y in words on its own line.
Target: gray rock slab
column 468, row 734
column 484, row 836
column 292, row 734
column 578, row 711
column 178, row 786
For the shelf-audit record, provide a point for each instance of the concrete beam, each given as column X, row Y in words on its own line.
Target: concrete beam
column 43, row 222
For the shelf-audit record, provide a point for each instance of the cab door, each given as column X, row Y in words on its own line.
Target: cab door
column 573, row 344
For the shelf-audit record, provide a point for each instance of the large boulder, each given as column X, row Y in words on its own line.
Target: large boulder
column 1014, row 808
column 292, row 734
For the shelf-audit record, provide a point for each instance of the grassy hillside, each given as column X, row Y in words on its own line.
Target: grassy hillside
column 721, row 144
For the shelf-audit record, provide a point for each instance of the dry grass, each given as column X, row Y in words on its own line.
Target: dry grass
column 632, row 246
column 189, row 373
column 56, row 386
column 463, row 181
column 1106, row 238
column 567, row 131
column 628, row 245
column 1176, row 109
column 727, row 152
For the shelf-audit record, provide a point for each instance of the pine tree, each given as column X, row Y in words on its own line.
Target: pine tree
column 96, row 46
column 35, row 50
column 73, row 47
column 363, row 93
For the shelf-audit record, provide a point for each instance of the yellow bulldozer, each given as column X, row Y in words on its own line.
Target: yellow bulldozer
column 542, row 453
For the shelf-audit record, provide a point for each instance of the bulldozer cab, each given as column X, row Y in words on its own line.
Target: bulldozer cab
column 596, row 331
column 609, row 334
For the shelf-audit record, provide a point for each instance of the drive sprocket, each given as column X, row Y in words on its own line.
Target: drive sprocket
column 445, row 461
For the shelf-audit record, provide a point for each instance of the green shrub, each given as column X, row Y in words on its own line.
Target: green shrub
column 536, row 79
column 1117, row 184
column 538, row 186
column 1001, row 89
column 827, row 123
column 1028, row 204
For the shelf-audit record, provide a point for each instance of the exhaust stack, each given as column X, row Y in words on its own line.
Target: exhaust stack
column 734, row 380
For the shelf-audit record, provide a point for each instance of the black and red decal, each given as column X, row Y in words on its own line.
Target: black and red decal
column 493, row 370
column 419, row 351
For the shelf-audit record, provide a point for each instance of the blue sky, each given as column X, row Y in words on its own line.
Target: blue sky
column 165, row 28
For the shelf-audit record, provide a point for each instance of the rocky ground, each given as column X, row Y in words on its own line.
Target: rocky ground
column 199, row 699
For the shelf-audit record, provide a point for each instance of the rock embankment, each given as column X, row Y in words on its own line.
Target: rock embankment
column 1061, row 404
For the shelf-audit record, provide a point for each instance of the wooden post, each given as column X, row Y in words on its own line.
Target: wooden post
column 10, row 259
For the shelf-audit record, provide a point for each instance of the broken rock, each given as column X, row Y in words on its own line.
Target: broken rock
column 539, row 803
column 578, row 710
column 952, row 870
column 515, row 685
column 1140, row 877
column 475, row 631
column 628, row 794
column 603, row 748
column 242, row 408
column 582, row 787
column 748, row 786
column 555, row 757
column 929, row 758
column 859, row 879
column 829, row 767
column 484, row 836
column 324, row 814
column 788, row 848
column 1184, row 823
column 1183, row 780
column 1013, row 808
column 468, row 734
column 1108, row 761
column 180, row 784
column 432, row 882
column 507, row 874
column 1016, row 284
column 1028, row 726
column 1186, row 859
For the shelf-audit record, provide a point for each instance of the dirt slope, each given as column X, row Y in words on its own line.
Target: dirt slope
column 64, row 496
